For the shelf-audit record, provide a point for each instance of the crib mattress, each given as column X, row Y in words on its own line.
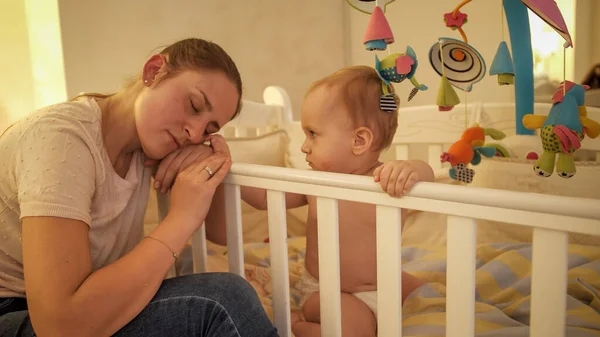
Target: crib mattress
column 502, row 286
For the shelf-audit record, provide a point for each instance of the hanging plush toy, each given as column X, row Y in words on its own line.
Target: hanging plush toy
column 468, row 150
column 562, row 130
column 503, row 65
column 378, row 34
column 397, row 67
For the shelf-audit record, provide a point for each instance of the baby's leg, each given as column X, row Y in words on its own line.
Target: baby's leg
column 357, row 318
column 409, row 284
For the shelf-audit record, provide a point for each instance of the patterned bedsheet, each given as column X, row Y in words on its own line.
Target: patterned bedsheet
column 502, row 286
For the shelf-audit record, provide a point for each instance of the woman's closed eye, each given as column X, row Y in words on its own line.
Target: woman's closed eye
column 198, row 108
column 194, row 107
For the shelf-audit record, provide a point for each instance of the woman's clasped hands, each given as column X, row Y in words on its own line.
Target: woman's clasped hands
column 193, row 174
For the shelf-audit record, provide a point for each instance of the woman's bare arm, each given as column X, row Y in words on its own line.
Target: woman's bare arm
column 66, row 298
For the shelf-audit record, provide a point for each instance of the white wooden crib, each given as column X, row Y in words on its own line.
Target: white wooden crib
column 552, row 217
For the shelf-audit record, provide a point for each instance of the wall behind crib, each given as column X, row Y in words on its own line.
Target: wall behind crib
column 99, row 44
column 16, row 81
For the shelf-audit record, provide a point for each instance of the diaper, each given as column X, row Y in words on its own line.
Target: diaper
column 310, row 285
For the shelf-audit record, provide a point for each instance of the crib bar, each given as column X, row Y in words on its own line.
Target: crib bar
column 549, row 283
column 279, row 261
column 460, row 277
column 389, row 273
column 402, row 152
column 233, row 218
column 329, row 267
column 240, row 132
column 200, row 263
column 531, row 202
column 434, row 151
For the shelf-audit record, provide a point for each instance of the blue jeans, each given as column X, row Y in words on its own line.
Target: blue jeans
column 207, row 305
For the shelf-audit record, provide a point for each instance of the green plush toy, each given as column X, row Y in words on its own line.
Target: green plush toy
column 562, row 130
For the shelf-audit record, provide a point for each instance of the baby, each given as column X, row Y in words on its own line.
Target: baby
column 346, row 129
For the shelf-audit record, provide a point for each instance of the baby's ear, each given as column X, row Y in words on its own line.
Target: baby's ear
column 362, row 140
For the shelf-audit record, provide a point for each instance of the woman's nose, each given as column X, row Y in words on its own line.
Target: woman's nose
column 195, row 134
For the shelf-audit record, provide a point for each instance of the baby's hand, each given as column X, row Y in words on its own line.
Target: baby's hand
column 398, row 177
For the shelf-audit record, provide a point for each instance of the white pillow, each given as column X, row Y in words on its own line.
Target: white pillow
column 506, row 174
column 519, row 146
column 267, row 149
column 294, row 157
column 518, row 175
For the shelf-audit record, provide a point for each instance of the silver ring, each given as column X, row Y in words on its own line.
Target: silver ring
column 210, row 172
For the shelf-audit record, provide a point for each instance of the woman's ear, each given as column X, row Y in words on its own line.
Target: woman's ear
column 362, row 140
column 154, row 68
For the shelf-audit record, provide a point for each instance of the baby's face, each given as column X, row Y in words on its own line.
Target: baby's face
column 328, row 131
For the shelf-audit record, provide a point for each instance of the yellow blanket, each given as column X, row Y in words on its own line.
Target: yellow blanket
column 502, row 286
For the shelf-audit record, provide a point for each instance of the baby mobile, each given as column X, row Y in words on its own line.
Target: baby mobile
column 395, row 67
column 460, row 66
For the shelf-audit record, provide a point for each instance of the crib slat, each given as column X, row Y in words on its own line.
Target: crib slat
column 549, row 283
column 279, row 261
column 402, row 152
column 199, row 250
column 460, row 277
column 240, row 131
column 434, row 151
column 389, row 273
column 233, row 218
column 329, row 267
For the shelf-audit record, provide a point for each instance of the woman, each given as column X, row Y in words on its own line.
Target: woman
column 73, row 193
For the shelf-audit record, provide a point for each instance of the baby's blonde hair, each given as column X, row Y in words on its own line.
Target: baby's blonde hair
column 359, row 89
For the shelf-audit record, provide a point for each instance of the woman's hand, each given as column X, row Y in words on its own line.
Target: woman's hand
column 179, row 160
column 218, row 143
column 194, row 188
column 175, row 162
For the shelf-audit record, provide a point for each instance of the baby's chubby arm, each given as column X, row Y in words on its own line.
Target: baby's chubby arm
column 257, row 198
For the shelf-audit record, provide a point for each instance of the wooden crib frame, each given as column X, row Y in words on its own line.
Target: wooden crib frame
column 551, row 217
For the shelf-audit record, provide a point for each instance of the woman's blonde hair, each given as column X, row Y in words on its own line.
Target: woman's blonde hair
column 359, row 89
column 192, row 54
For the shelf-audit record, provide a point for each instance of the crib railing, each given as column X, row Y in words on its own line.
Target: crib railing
column 551, row 217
